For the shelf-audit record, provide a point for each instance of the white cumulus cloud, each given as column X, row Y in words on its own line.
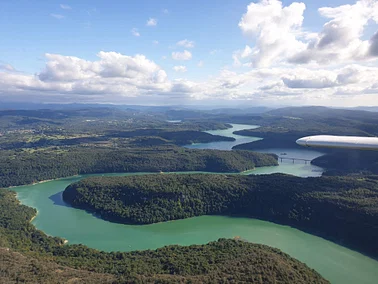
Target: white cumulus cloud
column 115, row 77
column 185, row 55
column 274, row 27
column 280, row 37
column 112, row 74
column 341, row 37
column 180, row 68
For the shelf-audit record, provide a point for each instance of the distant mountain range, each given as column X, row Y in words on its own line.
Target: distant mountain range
column 324, row 112
column 191, row 110
column 37, row 106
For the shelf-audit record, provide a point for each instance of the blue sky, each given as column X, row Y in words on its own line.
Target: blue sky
column 220, row 68
column 29, row 31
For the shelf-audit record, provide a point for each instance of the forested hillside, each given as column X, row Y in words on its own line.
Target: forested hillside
column 25, row 167
column 182, row 137
column 44, row 259
column 342, row 209
column 119, row 138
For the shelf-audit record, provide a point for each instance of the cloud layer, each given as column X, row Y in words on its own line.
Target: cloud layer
column 113, row 73
column 280, row 37
column 180, row 68
column 282, row 63
column 115, row 77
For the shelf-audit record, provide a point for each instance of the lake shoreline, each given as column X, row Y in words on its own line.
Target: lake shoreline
column 197, row 230
column 135, row 173
column 40, row 182
column 31, row 220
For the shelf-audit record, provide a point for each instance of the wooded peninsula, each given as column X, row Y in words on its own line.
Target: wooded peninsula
column 45, row 259
column 343, row 209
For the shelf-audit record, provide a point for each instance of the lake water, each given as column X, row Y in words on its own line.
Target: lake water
column 336, row 263
column 227, row 145
column 298, row 168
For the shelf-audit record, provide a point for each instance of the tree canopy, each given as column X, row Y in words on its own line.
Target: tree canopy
column 343, row 209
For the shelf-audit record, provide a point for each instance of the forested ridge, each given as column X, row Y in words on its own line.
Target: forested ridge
column 124, row 138
column 25, row 167
column 182, row 137
column 98, row 120
column 343, row 209
column 28, row 255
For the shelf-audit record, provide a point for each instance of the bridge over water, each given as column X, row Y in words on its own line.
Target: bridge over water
column 294, row 159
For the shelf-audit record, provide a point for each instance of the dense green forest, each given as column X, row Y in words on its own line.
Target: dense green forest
column 31, row 256
column 340, row 208
column 183, row 137
column 19, row 167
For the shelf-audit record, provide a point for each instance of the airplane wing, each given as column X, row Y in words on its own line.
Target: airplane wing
column 346, row 142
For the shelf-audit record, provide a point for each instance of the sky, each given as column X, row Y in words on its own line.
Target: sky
column 170, row 52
